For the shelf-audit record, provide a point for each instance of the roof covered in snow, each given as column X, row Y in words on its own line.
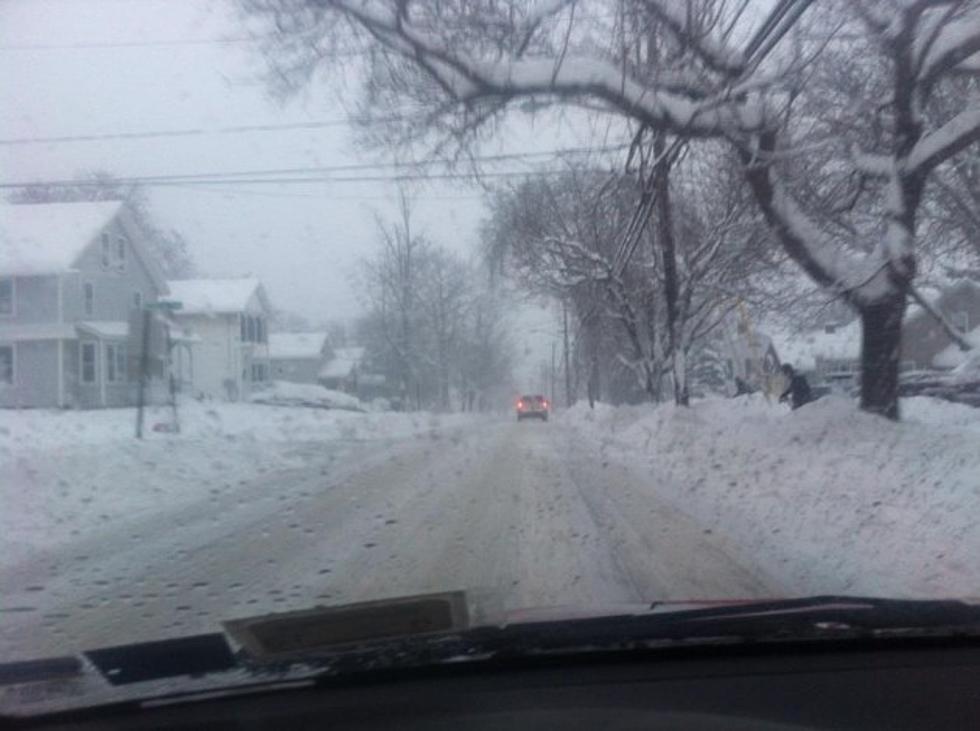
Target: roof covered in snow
column 342, row 363
column 215, row 296
column 951, row 356
column 45, row 238
column 297, row 345
column 803, row 349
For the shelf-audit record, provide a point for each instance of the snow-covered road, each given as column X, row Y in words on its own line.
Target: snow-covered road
column 521, row 514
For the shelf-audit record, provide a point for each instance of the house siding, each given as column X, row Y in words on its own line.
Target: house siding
column 296, row 370
column 35, row 375
column 35, row 300
column 113, row 289
column 217, row 357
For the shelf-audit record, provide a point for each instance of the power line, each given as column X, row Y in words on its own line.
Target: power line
column 305, row 180
column 197, row 131
column 320, row 173
column 128, row 44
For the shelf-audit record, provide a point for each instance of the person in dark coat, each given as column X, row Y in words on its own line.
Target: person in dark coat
column 798, row 391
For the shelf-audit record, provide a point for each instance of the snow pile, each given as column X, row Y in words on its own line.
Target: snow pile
column 283, row 393
column 825, row 499
column 66, row 474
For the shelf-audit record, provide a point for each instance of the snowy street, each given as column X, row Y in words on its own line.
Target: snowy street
column 515, row 511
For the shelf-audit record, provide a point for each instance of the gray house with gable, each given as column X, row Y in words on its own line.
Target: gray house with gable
column 71, row 276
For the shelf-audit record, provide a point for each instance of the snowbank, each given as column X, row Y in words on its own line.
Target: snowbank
column 824, row 499
column 65, row 474
column 283, row 393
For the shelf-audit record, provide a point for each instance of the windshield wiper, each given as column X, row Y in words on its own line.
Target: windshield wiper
column 359, row 651
column 812, row 619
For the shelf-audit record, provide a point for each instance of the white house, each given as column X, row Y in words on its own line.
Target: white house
column 341, row 371
column 229, row 319
column 298, row 357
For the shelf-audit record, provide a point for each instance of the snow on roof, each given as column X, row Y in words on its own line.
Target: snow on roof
column 297, row 345
column 44, row 238
column 342, row 363
column 802, row 349
column 951, row 356
column 211, row 296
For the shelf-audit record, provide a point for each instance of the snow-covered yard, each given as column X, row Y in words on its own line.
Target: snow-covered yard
column 823, row 499
column 66, row 473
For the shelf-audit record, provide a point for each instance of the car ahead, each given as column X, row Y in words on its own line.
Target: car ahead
column 532, row 407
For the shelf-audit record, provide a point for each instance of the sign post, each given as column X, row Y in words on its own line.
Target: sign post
column 149, row 335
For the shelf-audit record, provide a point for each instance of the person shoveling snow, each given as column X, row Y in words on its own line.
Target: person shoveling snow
column 798, row 390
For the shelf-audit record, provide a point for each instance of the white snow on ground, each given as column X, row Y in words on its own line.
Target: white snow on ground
column 283, row 393
column 824, row 499
column 63, row 474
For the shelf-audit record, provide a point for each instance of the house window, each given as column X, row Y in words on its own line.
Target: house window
column 242, row 319
column 89, row 298
column 121, row 253
column 7, row 365
column 259, row 372
column 88, row 362
column 138, row 300
column 6, row 297
column 116, row 366
column 259, row 330
column 106, row 251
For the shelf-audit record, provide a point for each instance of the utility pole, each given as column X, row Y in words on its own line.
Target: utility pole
column 146, row 316
column 568, row 371
column 553, row 347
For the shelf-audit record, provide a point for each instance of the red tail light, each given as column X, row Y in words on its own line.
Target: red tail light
column 520, row 404
column 545, row 404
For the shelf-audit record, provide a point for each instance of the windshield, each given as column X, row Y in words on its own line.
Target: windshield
column 573, row 305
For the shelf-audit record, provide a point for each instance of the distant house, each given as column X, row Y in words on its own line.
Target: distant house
column 739, row 351
column 833, row 352
column 830, row 353
column 229, row 321
column 298, row 357
column 925, row 342
column 340, row 373
column 71, row 276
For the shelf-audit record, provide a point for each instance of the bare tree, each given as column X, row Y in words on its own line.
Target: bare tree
column 427, row 317
column 581, row 238
column 462, row 64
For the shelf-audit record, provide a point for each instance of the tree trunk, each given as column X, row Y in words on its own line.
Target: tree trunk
column 881, row 353
column 668, row 248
